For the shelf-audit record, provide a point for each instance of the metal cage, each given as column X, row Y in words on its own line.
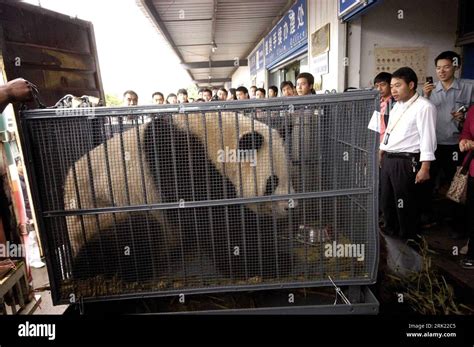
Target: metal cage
column 163, row 200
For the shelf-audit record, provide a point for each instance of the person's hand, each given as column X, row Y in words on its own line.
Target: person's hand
column 427, row 88
column 19, row 90
column 423, row 175
column 466, row 145
column 459, row 116
column 381, row 157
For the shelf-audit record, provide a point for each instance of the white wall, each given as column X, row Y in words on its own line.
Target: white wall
column 426, row 23
column 261, row 80
column 354, row 53
column 241, row 76
column 322, row 12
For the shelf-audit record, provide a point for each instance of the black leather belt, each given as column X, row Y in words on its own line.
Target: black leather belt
column 403, row 155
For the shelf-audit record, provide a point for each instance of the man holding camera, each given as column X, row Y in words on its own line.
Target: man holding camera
column 452, row 97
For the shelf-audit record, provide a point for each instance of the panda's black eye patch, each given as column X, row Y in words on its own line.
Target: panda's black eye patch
column 251, row 140
column 272, row 184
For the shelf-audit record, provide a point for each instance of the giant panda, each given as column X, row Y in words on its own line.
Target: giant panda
column 174, row 158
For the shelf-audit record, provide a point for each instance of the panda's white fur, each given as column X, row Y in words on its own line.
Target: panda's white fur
column 212, row 131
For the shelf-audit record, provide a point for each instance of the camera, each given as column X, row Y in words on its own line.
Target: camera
column 462, row 109
column 429, row 79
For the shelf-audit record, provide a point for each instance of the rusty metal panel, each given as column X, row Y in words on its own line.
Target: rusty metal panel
column 52, row 50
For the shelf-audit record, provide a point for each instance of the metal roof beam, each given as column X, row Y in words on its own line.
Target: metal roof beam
column 288, row 5
column 214, row 80
column 187, row 20
column 150, row 8
column 220, row 44
column 214, row 19
column 211, row 64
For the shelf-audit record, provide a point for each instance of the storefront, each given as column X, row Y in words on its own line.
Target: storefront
column 283, row 53
column 351, row 41
column 286, row 46
column 346, row 43
column 394, row 34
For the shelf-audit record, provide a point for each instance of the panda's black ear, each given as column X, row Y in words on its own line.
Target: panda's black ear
column 251, row 140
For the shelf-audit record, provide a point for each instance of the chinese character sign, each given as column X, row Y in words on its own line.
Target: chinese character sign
column 288, row 36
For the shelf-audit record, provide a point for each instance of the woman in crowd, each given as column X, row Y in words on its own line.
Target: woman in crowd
column 466, row 144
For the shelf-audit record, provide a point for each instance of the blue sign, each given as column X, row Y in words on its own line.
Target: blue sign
column 349, row 8
column 260, row 57
column 256, row 60
column 288, row 36
column 253, row 64
column 345, row 6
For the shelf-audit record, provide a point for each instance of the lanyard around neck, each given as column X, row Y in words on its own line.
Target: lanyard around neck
column 406, row 109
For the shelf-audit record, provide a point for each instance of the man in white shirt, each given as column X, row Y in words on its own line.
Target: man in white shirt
column 407, row 149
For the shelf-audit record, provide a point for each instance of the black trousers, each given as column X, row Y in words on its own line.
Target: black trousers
column 399, row 196
column 470, row 216
column 448, row 157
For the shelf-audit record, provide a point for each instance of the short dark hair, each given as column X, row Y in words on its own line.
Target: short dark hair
column 171, row 95
column 182, row 91
column 157, row 93
column 242, row 89
column 383, row 77
column 274, row 88
column 286, row 83
column 261, row 90
column 207, row 90
column 407, row 74
column 232, row 92
column 131, row 92
column 449, row 55
column 254, row 87
column 309, row 78
column 224, row 90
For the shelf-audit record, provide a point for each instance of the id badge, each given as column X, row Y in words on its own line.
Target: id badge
column 385, row 140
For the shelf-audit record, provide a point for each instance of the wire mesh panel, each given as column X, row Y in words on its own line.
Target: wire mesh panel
column 205, row 197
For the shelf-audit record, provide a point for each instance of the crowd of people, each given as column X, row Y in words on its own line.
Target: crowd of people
column 304, row 86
